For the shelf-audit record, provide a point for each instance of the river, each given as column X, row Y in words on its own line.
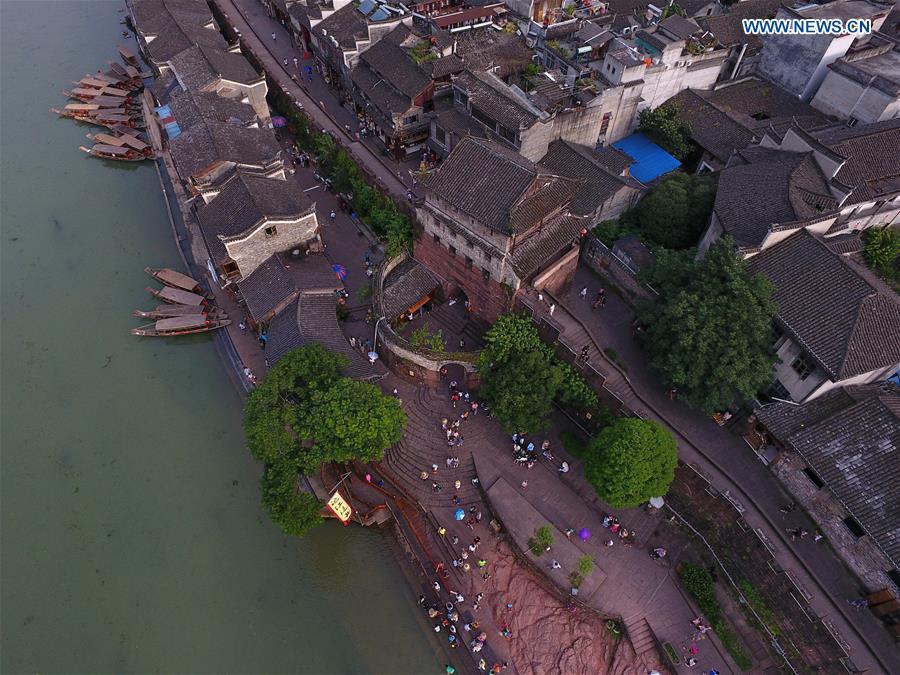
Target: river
column 132, row 538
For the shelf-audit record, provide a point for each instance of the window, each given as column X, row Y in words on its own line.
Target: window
column 851, row 121
column 486, row 275
column 440, row 136
column 814, row 477
column 437, row 239
column 483, row 118
column 894, row 576
column 468, row 263
column 778, row 391
column 854, row 526
column 803, row 366
column 461, row 98
column 605, row 123
column 452, row 250
column 508, row 135
column 271, row 231
column 488, row 258
column 230, row 267
column 412, row 119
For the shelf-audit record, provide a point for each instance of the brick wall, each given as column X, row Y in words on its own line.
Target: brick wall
column 489, row 298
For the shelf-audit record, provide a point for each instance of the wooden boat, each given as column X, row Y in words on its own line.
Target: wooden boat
column 177, row 296
column 166, row 311
column 108, row 79
column 175, row 279
column 77, row 110
column 106, row 118
column 114, row 152
column 122, row 140
column 89, row 94
column 180, row 325
column 127, row 56
column 88, row 81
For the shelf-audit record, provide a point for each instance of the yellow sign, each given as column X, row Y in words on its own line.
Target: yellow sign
column 340, row 507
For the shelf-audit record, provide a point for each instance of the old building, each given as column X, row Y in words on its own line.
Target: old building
column 735, row 115
column 863, row 86
column 840, row 459
column 527, row 122
column 831, row 181
column 837, row 323
column 728, row 29
column 210, row 151
column 486, row 238
column 799, row 63
column 201, row 69
column 167, row 27
column 606, row 190
column 393, row 93
column 253, row 217
column 190, row 110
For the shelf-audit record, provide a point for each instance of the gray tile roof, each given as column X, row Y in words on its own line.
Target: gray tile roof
column 851, row 439
column 345, row 26
column 407, row 283
column 266, row 288
column 491, row 96
column 451, row 119
column 446, row 65
column 711, row 129
column 190, row 110
column 792, row 182
column 679, row 26
column 175, row 38
column 379, row 93
column 727, row 27
column 312, row 318
column 246, row 200
column 842, row 316
column 850, row 242
column 546, row 244
column 614, row 159
column 393, row 64
column 204, row 144
column 758, row 104
column 597, row 183
column 487, row 49
column 511, row 192
column 312, row 273
column 153, row 16
column 872, row 153
column 198, row 67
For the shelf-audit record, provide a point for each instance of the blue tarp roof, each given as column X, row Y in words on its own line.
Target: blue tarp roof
column 651, row 161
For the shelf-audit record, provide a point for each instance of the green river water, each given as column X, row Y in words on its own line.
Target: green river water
column 132, row 539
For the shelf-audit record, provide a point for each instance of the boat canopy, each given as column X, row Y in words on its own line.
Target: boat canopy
column 180, row 296
column 177, row 323
column 110, row 150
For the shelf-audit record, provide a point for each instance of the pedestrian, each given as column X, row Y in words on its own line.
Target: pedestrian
column 457, row 483
column 285, row 62
column 787, row 508
column 332, row 214
column 818, row 537
column 474, row 407
column 524, row 484
column 541, row 297
column 274, row 37
column 296, row 63
column 583, row 293
column 552, row 308
column 569, row 532
column 462, row 343
column 442, row 530
column 434, row 468
column 424, row 475
column 437, row 587
column 242, row 326
column 435, row 487
column 585, row 353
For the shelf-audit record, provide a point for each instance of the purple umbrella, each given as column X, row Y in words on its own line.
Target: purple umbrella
column 584, row 534
column 278, row 122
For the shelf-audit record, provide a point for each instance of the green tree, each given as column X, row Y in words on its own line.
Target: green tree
column 882, row 248
column 510, row 334
column 631, row 461
column 672, row 9
column 521, row 390
column 529, row 72
column 710, row 333
column 663, row 126
column 423, row 338
column 304, row 413
column 676, row 212
column 295, row 512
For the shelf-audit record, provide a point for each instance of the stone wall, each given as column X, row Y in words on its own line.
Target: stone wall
column 863, row 557
column 559, row 274
column 603, row 261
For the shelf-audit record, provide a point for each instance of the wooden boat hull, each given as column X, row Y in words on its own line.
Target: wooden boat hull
column 167, row 311
column 176, row 296
column 150, row 329
column 175, row 279
column 130, row 156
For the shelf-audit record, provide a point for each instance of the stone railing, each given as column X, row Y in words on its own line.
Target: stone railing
column 410, row 362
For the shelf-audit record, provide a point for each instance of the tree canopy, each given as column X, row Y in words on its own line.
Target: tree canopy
column 631, row 461
column 305, row 413
column 663, row 126
column 676, row 212
column 710, row 334
column 882, row 249
column 521, row 376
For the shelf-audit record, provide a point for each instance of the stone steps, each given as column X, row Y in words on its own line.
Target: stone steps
column 640, row 635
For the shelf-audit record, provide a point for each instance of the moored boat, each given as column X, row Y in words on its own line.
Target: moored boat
column 176, row 296
column 114, row 152
column 180, row 325
column 128, row 57
column 175, row 279
column 167, row 311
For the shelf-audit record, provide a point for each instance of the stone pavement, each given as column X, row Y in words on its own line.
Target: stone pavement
column 628, row 584
column 724, row 458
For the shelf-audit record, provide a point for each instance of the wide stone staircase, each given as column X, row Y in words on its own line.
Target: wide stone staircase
column 640, row 635
column 424, row 444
